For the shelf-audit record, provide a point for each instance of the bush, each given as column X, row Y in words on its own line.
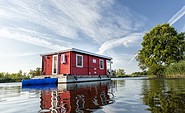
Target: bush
column 13, row 77
column 175, row 69
column 157, row 70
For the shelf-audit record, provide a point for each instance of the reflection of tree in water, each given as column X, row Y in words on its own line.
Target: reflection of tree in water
column 165, row 96
column 117, row 83
column 121, row 83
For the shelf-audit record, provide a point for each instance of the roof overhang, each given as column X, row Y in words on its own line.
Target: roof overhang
column 79, row 51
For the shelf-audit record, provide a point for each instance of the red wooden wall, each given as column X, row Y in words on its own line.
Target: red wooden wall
column 89, row 68
column 94, row 68
column 47, row 64
column 65, row 68
column 79, row 70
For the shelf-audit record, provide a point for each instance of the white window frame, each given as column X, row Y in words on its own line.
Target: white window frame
column 100, row 63
column 53, row 64
column 63, row 58
column 77, row 60
column 94, row 61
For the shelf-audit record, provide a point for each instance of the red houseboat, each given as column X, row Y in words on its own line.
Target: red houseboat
column 74, row 65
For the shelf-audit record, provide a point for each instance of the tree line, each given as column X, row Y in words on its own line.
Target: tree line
column 121, row 73
column 19, row 76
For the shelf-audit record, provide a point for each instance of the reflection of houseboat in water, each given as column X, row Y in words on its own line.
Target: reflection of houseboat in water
column 80, row 98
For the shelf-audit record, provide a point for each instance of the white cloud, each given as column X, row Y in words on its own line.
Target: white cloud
column 177, row 16
column 5, row 33
column 95, row 20
column 20, row 54
column 39, row 13
column 133, row 58
column 125, row 41
column 57, row 24
column 98, row 20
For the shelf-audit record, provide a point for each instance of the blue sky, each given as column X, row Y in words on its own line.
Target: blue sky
column 111, row 27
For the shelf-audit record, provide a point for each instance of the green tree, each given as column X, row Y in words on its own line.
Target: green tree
column 13, row 77
column 139, row 73
column 120, row 72
column 161, row 47
column 35, row 72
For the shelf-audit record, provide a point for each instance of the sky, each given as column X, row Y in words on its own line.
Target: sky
column 113, row 28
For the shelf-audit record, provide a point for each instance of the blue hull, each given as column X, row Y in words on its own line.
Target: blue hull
column 39, row 87
column 42, row 81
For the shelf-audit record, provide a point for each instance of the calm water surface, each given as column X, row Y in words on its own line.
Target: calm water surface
column 127, row 95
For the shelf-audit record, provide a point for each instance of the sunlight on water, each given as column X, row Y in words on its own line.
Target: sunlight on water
column 128, row 95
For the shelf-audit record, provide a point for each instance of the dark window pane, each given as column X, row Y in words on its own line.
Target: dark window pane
column 79, row 60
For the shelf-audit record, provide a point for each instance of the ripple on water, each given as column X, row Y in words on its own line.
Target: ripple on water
column 117, row 96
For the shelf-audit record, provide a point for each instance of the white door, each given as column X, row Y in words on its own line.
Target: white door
column 55, row 64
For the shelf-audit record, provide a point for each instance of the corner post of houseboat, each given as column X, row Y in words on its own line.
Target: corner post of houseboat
column 109, row 67
column 43, row 64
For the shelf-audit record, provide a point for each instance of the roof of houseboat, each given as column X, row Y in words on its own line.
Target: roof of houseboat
column 79, row 51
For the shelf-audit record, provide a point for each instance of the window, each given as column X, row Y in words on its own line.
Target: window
column 101, row 64
column 55, row 64
column 94, row 60
column 63, row 58
column 79, row 60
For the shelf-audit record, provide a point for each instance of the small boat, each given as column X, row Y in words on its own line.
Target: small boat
column 39, row 87
column 40, row 81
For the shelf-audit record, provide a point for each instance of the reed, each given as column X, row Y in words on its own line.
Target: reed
column 175, row 70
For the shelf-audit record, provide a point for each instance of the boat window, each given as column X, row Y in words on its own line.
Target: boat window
column 79, row 60
column 101, row 64
column 63, row 58
column 94, row 60
column 55, row 64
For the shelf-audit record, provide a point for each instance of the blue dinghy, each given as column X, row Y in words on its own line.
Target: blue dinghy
column 41, row 81
column 39, row 87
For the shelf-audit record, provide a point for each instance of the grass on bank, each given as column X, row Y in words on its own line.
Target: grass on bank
column 174, row 70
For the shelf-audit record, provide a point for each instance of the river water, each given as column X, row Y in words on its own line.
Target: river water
column 124, row 95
